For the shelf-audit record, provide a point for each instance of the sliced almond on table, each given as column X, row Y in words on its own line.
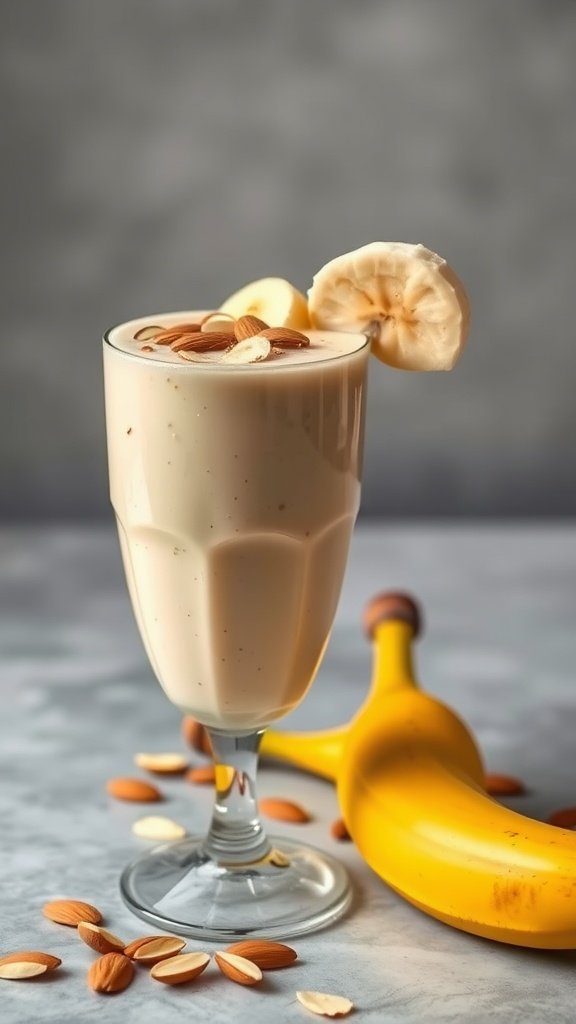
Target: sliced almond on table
column 339, row 831
column 111, row 973
column 196, row 735
column 179, row 969
column 203, row 775
column 286, row 337
column 162, row 764
column 31, row 956
column 158, row 949
column 252, row 350
column 503, row 785
column 325, row 1004
column 157, row 827
column 99, row 939
column 148, row 333
column 20, row 970
column 71, row 912
column 283, row 810
column 238, row 968
column 131, row 948
column 267, row 955
column 134, row 790
column 248, row 326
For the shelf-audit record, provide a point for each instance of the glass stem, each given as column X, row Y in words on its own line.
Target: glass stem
column 236, row 833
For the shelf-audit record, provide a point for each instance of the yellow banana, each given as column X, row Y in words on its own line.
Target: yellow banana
column 410, row 786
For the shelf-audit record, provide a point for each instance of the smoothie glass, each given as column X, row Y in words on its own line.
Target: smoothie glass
column 235, row 489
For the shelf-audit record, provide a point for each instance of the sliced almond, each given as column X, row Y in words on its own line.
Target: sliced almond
column 219, row 322
column 251, row 350
column 278, row 859
column 158, row 949
column 203, row 775
column 198, row 357
column 198, row 342
column 133, row 789
column 238, row 968
column 146, row 348
column 179, row 969
column 175, row 331
column 32, row 956
column 111, row 973
column 195, row 735
column 99, row 939
column 19, row 970
column 339, row 831
column 248, row 327
column 148, row 333
column 131, row 948
column 157, row 827
column 286, row 337
column 267, row 955
column 283, row 810
column 162, row 764
column 71, row 912
column 324, row 1004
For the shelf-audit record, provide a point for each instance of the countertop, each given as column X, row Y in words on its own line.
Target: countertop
column 78, row 699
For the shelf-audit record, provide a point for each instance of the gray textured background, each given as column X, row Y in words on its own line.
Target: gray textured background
column 159, row 154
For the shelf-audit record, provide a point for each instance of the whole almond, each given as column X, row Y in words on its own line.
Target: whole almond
column 99, row 939
column 175, row 331
column 158, row 827
column 162, row 764
column 267, row 955
column 111, row 973
column 339, row 831
column 324, row 1004
column 71, row 912
column 197, row 341
column 285, row 337
column 32, row 956
column 158, row 949
column 131, row 948
column 179, row 969
column 133, row 789
column 248, row 327
column 283, row 810
column 148, row 333
column 202, row 775
column 196, row 735
column 238, row 968
column 20, row 970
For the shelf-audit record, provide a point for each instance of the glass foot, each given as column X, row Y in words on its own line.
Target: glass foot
column 295, row 889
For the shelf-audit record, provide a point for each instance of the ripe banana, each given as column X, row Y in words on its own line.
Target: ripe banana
column 405, row 297
column 273, row 299
column 410, row 786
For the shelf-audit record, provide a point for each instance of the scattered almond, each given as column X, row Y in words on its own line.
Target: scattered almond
column 219, row 322
column 148, row 333
column 20, row 970
column 324, row 1004
column 131, row 948
column 564, row 818
column 267, row 955
column 339, row 831
column 158, row 949
column 71, row 912
column 203, row 775
column 503, row 785
column 285, row 337
column 238, row 968
column 133, row 789
column 146, row 348
column 196, row 735
column 162, row 764
column 111, row 973
column 179, row 969
column 157, row 827
column 283, row 810
column 248, row 326
column 199, row 342
column 32, row 956
column 99, row 939
column 251, row 350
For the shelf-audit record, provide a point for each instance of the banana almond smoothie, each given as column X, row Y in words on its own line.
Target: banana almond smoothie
column 235, row 478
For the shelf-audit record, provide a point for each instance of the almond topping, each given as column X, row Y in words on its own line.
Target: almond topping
column 196, row 341
column 131, row 948
column 148, row 333
column 99, row 939
column 162, row 764
column 195, row 735
column 324, row 1004
column 286, row 337
column 283, row 810
column 179, row 969
column 19, row 970
column 248, row 327
column 203, row 775
column 157, row 827
column 339, row 831
column 111, row 973
column 218, row 322
column 175, row 331
column 146, row 348
column 267, row 955
column 154, row 950
column 238, row 968
column 71, row 912
column 133, row 789
column 251, row 350
column 32, row 956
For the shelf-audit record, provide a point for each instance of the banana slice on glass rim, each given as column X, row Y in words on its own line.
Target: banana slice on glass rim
column 405, row 297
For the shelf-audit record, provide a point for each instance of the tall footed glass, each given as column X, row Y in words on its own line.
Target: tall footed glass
column 235, row 488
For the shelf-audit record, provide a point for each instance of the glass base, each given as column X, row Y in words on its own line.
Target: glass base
column 296, row 889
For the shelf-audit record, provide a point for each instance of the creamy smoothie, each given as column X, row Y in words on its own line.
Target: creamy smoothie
column 235, row 489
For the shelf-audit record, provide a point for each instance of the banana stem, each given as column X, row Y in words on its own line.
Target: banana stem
column 393, row 663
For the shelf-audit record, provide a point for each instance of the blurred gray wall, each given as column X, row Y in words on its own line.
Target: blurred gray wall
column 157, row 154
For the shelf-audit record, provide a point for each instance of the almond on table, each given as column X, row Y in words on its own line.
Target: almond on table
column 157, row 827
column 324, row 1004
column 29, row 963
column 238, row 968
column 111, row 973
column 133, row 790
column 267, row 955
column 158, row 949
column 99, row 939
column 71, row 912
column 180, row 969
column 162, row 764
column 131, row 947
column 203, row 775
column 283, row 810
